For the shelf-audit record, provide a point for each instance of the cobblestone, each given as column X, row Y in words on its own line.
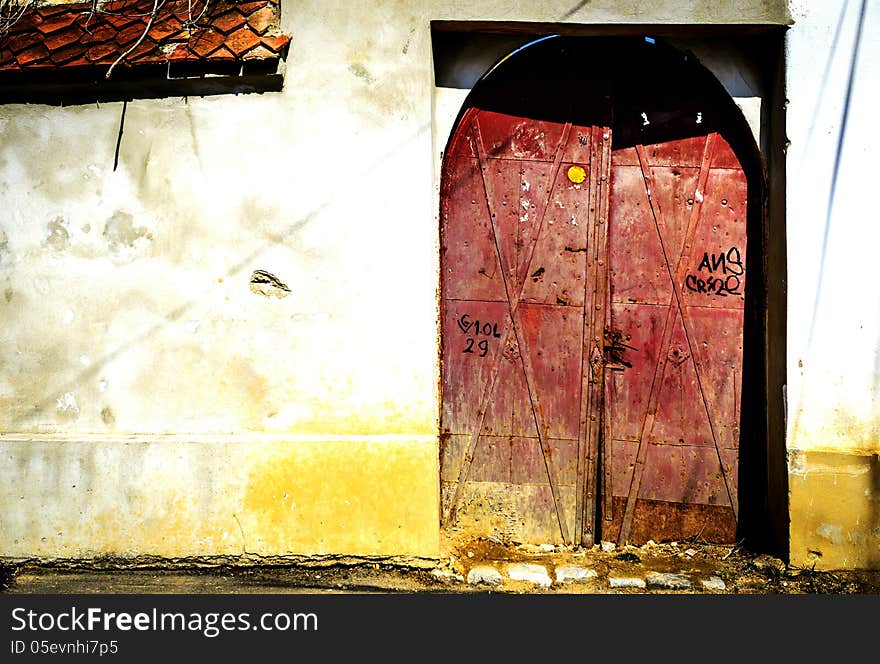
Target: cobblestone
column 536, row 574
column 484, row 575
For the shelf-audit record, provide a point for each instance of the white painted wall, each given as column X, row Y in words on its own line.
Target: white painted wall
column 833, row 229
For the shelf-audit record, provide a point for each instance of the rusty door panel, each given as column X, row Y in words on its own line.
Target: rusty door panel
column 513, row 215
column 677, row 254
column 533, row 197
column 643, row 326
column 470, row 266
column 554, row 346
column 637, row 266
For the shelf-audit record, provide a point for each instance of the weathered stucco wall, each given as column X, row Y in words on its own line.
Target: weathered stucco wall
column 833, row 309
column 307, row 424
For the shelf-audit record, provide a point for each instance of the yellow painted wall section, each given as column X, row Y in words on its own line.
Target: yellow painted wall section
column 343, row 497
column 174, row 497
column 835, row 509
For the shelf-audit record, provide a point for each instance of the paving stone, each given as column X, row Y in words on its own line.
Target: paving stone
column 607, row 547
column 765, row 563
column 714, row 583
column 626, row 582
column 446, row 576
column 574, row 574
column 536, row 574
column 667, row 581
column 484, row 575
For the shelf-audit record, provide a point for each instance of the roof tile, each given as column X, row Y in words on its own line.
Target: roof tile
column 32, row 55
column 51, row 10
column 62, row 56
column 165, row 29
column 228, row 22
column 241, row 41
column 130, row 34
column 56, row 23
column 248, row 8
column 206, row 42
column 101, row 52
column 61, row 39
column 276, row 44
column 260, row 53
column 262, row 19
column 223, row 53
column 20, row 42
column 69, row 35
column 99, row 34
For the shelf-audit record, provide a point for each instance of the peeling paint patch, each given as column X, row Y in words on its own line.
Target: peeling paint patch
column 121, row 232
column 830, row 532
column 57, row 236
column 66, row 404
column 267, row 284
column 5, row 254
column 361, row 72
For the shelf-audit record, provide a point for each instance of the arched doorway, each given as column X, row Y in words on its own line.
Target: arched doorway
column 601, row 212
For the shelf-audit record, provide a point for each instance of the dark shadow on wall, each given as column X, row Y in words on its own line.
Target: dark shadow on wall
column 622, row 82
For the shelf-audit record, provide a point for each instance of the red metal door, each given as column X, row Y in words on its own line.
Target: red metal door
column 677, row 259
column 585, row 292
column 523, row 242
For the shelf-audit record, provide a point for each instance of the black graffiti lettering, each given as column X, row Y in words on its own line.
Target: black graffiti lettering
column 727, row 262
column 732, row 284
column 730, row 267
column 705, row 264
column 734, row 260
column 470, row 346
column 484, row 347
column 475, row 327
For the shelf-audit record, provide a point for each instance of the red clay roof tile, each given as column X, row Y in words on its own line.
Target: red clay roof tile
column 99, row 34
column 61, row 39
column 74, row 35
column 276, row 44
column 102, row 52
column 62, row 56
column 56, row 23
column 19, row 42
column 130, row 34
column 262, row 19
column 228, row 22
column 241, row 41
column 259, row 53
column 51, row 10
column 32, row 55
column 248, row 8
column 206, row 42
